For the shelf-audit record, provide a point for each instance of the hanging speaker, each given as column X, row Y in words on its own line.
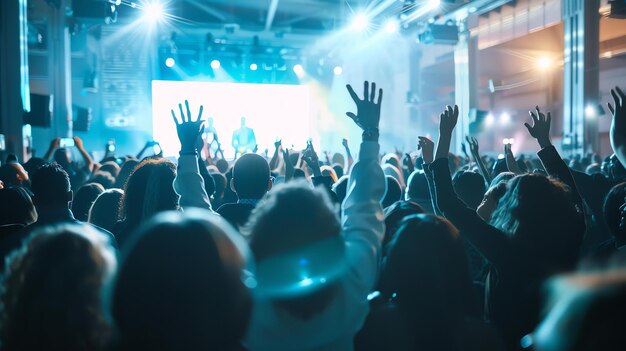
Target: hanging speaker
column 40, row 114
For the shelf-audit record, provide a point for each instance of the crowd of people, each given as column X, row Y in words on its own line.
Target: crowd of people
column 423, row 250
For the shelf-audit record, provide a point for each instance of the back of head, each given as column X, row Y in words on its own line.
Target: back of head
column 110, row 166
column 220, row 184
column 329, row 171
column 391, row 170
column 51, row 186
column 341, row 187
column 53, row 286
column 251, row 175
column 127, row 169
column 222, row 165
column 427, row 270
column 106, row 179
column 180, row 286
column 586, row 312
column 339, row 171
column 417, row 187
column 395, row 214
column 149, row 190
column 612, row 212
column 470, row 186
column 293, row 227
column 104, row 211
column 540, row 215
column 338, row 159
column 13, row 174
column 16, row 207
column 84, row 198
column 393, row 192
column 33, row 164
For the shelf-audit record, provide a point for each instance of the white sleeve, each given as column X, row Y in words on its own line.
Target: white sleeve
column 189, row 184
column 363, row 225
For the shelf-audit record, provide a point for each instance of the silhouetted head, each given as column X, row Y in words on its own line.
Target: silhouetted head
column 33, row 164
column 427, row 274
column 106, row 208
column 417, row 187
column 105, row 179
column 53, row 287
column 251, row 177
column 586, row 312
column 294, row 235
column 338, row 170
column 222, row 165
column 391, row 170
column 328, row 171
column 539, row 214
column 393, row 191
column 84, row 198
column 149, row 190
column 338, row 159
column 110, row 166
column 470, row 186
column 394, row 215
column 51, row 187
column 181, row 285
column 122, row 176
column 613, row 214
column 62, row 157
column 220, row 185
column 16, row 207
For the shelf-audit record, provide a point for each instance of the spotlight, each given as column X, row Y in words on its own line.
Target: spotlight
column 153, row 12
column 489, row 119
column 169, row 62
column 337, row 70
column 434, row 3
column 253, row 67
column 505, row 118
column 590, row 111
column 215, row 64
column 391, row 26
column 298, row 70
column 360, row 22
column 544, row 63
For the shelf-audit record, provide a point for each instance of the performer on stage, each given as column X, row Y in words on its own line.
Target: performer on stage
column 243, row 139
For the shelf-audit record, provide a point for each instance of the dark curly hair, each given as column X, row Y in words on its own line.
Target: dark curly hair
column 52, row 287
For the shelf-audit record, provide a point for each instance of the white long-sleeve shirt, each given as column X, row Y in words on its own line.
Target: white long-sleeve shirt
column 189, row 184
column 362, row 229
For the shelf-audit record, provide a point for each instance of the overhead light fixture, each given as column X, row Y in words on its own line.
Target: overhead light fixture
column 170, row 62
column 360, row 22
column 337, row 70
column 392, row 26
column 215, row 64
column 298, row 70
column 153, row 11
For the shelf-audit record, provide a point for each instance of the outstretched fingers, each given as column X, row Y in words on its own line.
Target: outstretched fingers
column 353, row 94
column 182, row 114
column 175, row 118
column 366, row 90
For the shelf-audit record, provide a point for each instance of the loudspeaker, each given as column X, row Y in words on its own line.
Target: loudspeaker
column 441, row 34
column 40, row 114
column 83, row 119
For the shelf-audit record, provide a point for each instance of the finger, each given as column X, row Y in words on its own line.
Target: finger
column 188, row 111
column 354, row 96
column 611, row 108
column 549, row 118
column 366, row 90
column 475, row 140
column 456, row 110
column 351, row 115
column 201, row 130
column 616, row 99
column 467, row 138
column 182, row 114
column 534, row 117
column 373, row 91
column 380, row 96
column 620, row 92
column 540, row 115
column 200, row 113
column 174, row 117
column 449, row 110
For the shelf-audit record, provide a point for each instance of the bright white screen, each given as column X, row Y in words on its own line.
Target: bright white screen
column 271, row 110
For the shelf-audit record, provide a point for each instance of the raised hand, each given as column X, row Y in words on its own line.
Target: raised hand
column 188, row 130
column 540, row 129
column 344, row 143
column 618, row 124
column 289, row 169
column 368, row 111
column 278, row 144
column 448, row 120
column 473, row 145
column 78, row 142
column 312, row 160
column 427, row 147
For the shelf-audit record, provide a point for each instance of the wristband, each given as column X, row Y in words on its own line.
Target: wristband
column 370, row 133
column 190, row 152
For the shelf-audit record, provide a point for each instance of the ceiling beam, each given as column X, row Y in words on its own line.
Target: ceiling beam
column 271, row 13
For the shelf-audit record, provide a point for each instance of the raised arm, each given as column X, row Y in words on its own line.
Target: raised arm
column 473, row 145
column 81, row 149
column 349, row 159
column 511, row 163
column 427, row 148
column 491, row 242
column 312, row 160
column 362, row 213
column 618, row 125
column 550, row 158
column 188, row 182
column 54, row 144
column 289, row 169
column 277, row 150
